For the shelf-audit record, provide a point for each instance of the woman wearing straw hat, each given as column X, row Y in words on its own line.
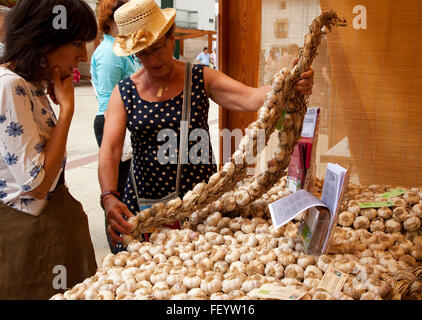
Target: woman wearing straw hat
column 161, row 105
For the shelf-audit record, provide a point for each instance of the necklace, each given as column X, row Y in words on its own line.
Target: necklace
column 161, row 88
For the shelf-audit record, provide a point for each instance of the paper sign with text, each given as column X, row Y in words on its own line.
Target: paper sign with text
column 333, row 280
column 269, row 291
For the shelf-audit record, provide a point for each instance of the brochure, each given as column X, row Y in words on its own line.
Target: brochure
column 318, row 223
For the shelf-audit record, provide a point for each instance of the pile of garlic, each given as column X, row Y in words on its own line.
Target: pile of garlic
column 405, row 216
column 243, row 255
column 225, row 257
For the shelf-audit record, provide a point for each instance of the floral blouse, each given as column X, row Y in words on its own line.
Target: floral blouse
column 26, row 123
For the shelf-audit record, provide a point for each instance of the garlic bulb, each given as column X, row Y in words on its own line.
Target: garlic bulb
column 377, row 225
column 305, row 261
column 341, row 296
column 232, row 256
column 197, row 294
column 267, row 258
column 416, row 252
column 251, row 283
column 377, row 286
column 219, row 296
column 417, row 211
column 385, row 213
column 191, row 281
column 400, row 214
column 248, row 227
column 417, row 241
column 160, row 291
column 310, row 283
column 231, row 283
column 105, row 295
column 322, row 295
column 274, row 269
column 354, row 288
column 392, row 226
column 211, row 285
column 221, row 266
column 324, row 262
column 286, row 258
column 369, row 213
column 412, row 223
column 255, row 267
column 361, row 222
column 346, row 218
column 294, row 271
column 238, row 267
column 312, row 271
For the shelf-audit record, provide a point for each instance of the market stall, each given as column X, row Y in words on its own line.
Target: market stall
column 228, row 245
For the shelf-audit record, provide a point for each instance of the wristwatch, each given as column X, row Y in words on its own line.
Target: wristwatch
column 106, row 193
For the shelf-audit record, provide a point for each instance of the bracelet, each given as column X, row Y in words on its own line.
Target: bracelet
column 106, row 193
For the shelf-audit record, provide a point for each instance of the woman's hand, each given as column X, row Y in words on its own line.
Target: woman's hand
column 61, row 91
column 304, row 85
column 115, row 210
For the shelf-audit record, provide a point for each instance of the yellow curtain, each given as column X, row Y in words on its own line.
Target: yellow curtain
column 376, row 94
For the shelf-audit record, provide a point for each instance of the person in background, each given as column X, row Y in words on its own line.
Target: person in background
column 3, row 11
column 150, row 101
column 107, row 70
column 204, row 57
column 213, row 59
column 45, row 245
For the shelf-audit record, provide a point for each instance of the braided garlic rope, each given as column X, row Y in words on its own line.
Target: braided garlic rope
column 221, row 193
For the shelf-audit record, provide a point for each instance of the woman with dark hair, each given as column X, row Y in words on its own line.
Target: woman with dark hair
column 107, row 70
column 45, row 245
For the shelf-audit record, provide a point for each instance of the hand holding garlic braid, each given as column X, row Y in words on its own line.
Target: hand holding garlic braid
column 220, row 193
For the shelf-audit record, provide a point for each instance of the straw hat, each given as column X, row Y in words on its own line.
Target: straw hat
column 140, row 23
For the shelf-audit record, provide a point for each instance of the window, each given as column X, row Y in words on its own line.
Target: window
column 281, row 28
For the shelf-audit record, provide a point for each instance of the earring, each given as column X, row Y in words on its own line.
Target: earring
column 43, row 62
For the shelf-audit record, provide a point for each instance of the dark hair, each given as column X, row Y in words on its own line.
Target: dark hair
column 31, row 34
column 205, row 48
column 106, row 9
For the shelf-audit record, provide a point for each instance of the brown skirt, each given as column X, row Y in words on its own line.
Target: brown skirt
column 31, row 247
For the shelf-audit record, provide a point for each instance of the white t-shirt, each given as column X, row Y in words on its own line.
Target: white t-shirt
column 26, row 123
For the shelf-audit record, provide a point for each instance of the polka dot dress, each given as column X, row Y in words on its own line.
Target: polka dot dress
column 155, row 129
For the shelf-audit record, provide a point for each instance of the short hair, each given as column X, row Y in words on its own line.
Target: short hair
column 106, row 9
column 205, row 48
column 31, row 34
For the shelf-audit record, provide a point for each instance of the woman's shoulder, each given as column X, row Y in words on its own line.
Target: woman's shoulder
column 9, row 79
column 8, row 76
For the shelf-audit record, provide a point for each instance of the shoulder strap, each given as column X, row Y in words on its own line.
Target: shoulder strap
column 183, row 156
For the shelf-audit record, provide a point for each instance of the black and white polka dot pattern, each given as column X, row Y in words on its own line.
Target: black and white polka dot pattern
column 145, row 120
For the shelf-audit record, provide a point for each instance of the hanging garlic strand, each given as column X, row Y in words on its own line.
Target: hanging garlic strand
column 221, row 188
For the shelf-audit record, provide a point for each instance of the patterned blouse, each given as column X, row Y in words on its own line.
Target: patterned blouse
column 154, row 126
column 26, row 123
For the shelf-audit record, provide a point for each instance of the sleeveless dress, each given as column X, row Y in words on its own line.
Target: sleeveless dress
column 155, row 125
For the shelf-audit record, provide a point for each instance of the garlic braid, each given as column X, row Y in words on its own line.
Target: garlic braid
column 221, row 194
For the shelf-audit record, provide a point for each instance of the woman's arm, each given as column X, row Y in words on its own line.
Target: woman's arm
column 108, row 165
column 237, row 96
column 55, row 146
